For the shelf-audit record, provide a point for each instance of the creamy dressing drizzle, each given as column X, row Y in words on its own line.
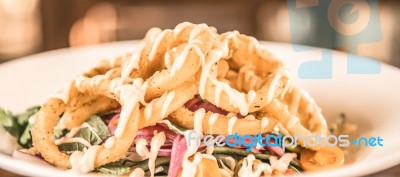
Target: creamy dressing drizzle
column 133, row 62
column 72, row 140
column 218, row 91
column 264, row 123
column 231, row 124
column 156, row 142
column 148, row 110
column 211, row 121
column 189, row 168
column 247, row 169
column 69, row 137
column 109, row 142
column 210, row 150
column 157, row 42
column 283, row 163
column 168, row 100
column 32, row 119
column 274, row 84
column 198, row 120
column 178, row 63
column 141, row 147
column 138, row 172
column 228, row 168
column 130, row 95
column 84, row 162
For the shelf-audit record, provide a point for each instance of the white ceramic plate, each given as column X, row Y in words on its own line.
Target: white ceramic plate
column 372, row 101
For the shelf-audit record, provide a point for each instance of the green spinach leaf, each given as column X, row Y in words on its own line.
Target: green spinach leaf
column 113, row 168
column 95, row 133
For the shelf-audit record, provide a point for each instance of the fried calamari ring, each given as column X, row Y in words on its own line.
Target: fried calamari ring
column 149, row 61
column 230, row 99
column 43, row 135
column 302, row 105
column 219, row 124
column 291, row 123
column 154, row 111
column 74, row 116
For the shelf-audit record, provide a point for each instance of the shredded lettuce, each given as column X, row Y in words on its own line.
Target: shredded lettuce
column 94, row 135
column 18, row 125
column 9, row 123
column 113, row 168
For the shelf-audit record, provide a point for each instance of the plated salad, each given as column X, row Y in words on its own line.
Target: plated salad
column 187, row 102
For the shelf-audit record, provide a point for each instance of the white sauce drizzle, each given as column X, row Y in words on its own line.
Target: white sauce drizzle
column 148, row 110
column 198, row 120
column 231, row 124
column 228, row 168
column 283, row 163
column 160, row 37
column 69, row 137
column 156, row 142
column 178, row 63
column 32, row 119
column 133, row 62
column 211, row 121
column 130, row 96
column 189, row 168
column 84, row 162
column 138, row 172
column 247, row 168
column 72, row 140
column 218, row 91
column 168, row 100
column 210, row 150
column 264, row 123
column 110, row 142
column 271, row 89
column 141, row 147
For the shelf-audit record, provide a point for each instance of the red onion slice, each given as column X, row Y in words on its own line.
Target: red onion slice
column 178, row 150
column 196, row 103
column 192, row 102
column 274, row 149
column 149, row 132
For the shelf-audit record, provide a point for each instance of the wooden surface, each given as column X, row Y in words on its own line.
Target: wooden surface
column 392, row 172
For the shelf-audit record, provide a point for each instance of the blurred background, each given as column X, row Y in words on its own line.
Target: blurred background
column 33, row 26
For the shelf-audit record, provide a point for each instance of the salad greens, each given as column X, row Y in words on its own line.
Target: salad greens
column 95, row 134
column 95, row 131
column 18, row 125
column 114, row 168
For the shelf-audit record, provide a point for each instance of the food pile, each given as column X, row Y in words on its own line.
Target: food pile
column 133, row 115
